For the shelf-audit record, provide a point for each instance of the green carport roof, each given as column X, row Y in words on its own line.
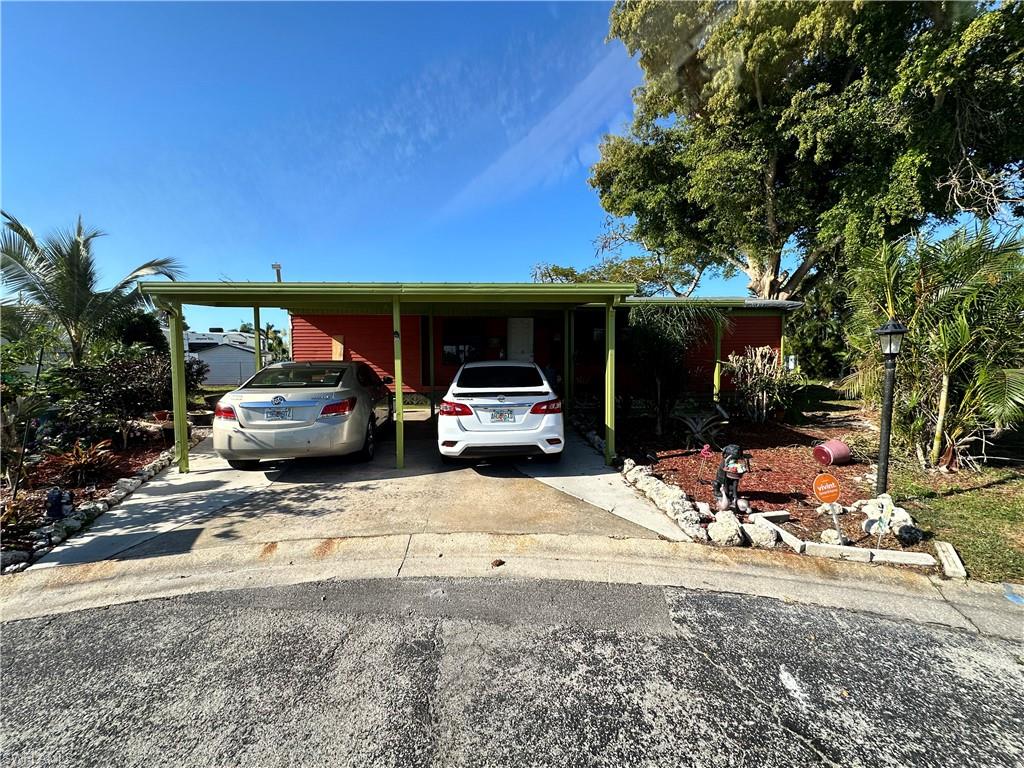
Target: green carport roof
column 298, row 296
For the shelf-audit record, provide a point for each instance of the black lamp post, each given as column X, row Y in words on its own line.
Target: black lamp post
column 890, row 337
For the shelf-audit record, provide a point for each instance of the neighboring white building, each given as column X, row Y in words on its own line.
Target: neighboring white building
column 229, row 363
column 231, row 355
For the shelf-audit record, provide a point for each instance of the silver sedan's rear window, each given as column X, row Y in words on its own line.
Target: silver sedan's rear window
column 298, row 376
column 495, row 376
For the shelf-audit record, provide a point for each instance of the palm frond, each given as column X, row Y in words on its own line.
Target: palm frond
column 1001, row 392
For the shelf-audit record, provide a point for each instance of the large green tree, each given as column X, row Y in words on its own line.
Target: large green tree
column 54, row 281
column 770, row 136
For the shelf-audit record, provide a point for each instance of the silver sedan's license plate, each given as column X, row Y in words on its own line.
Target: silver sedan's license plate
column 503, row 415
column 278, row 414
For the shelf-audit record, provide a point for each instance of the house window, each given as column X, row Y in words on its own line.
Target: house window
column 465, row 340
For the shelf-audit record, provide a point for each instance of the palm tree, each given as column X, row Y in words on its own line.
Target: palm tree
column 55, row 281
column 275, row 342
column 961, row 371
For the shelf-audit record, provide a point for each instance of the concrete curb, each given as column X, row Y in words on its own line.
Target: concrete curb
column 897, row 593
column 952, row 565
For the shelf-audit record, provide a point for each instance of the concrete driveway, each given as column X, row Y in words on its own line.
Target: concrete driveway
column 215, row 506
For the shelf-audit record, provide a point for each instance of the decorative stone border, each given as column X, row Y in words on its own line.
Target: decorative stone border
column 46, row 537
column 764, row 532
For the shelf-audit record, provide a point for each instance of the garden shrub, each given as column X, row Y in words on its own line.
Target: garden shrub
column 763, row 386
column 102, row 398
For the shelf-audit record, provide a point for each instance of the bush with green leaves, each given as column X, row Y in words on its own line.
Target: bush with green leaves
column 101, row 398
column 960, row 374
column 763, row 386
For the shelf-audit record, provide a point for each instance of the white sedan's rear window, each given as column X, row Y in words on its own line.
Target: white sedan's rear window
column 298, row 376
column 495, row 376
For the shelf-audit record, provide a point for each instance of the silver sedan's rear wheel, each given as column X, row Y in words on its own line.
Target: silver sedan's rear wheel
column 369, row 448
column 244, row 464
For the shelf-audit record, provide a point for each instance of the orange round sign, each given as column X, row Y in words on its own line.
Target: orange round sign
column 826, row 488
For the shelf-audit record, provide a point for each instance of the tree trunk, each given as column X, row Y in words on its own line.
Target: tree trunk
column 941, row 421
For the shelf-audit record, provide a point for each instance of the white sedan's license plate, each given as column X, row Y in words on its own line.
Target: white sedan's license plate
column 504, row 415
column 278, row 414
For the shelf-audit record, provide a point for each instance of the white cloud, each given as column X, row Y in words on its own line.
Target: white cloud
column 563, row 140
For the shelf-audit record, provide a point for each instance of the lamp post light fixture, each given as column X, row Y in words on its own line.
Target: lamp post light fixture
column 890, row 338
column 276, row 266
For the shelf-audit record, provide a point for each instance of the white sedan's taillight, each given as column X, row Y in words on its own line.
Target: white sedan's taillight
column 548, row 406
column 448, row 408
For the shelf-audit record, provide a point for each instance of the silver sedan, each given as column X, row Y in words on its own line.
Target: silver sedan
column 289, row 410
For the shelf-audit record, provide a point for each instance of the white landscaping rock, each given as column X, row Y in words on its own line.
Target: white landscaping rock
column 128, row 483
column 115, row 497
column 726, row 531
column 639, row 471
column 687, row 519
column 795, row 542
column 69, row 524
column 704, row 509
column 697, row 534
column 831, row 536
column 759, row 535
column 667, row 497
column 648, row 485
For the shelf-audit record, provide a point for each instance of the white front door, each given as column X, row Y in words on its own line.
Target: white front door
column 520, row 339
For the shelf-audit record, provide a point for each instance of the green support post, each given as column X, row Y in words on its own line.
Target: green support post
column 396, row 319
column 179, row 398
column 609, row 383
column 571, row 383
column 430, row 356
column 717, row 392
column 259, row 345
column 565, row 359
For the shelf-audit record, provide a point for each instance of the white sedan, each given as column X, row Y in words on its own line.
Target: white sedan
column 289, row 410
column 500, row 408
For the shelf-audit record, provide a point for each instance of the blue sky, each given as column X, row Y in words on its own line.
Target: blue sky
column 445, row 142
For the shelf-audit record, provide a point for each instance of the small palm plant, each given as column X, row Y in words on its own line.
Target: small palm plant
column 55, row 281
column 961, row 371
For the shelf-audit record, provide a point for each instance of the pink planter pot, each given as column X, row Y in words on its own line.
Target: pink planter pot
column 832, row 452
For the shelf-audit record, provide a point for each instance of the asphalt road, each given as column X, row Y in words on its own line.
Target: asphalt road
column 482, row 672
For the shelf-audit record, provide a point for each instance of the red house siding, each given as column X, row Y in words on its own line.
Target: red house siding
column 367, row 338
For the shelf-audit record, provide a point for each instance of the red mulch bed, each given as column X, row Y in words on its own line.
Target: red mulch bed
column 780, row 477
column 42, row 477
column 782, row 470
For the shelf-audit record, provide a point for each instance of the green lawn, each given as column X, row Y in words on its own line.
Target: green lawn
column 979, row 513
